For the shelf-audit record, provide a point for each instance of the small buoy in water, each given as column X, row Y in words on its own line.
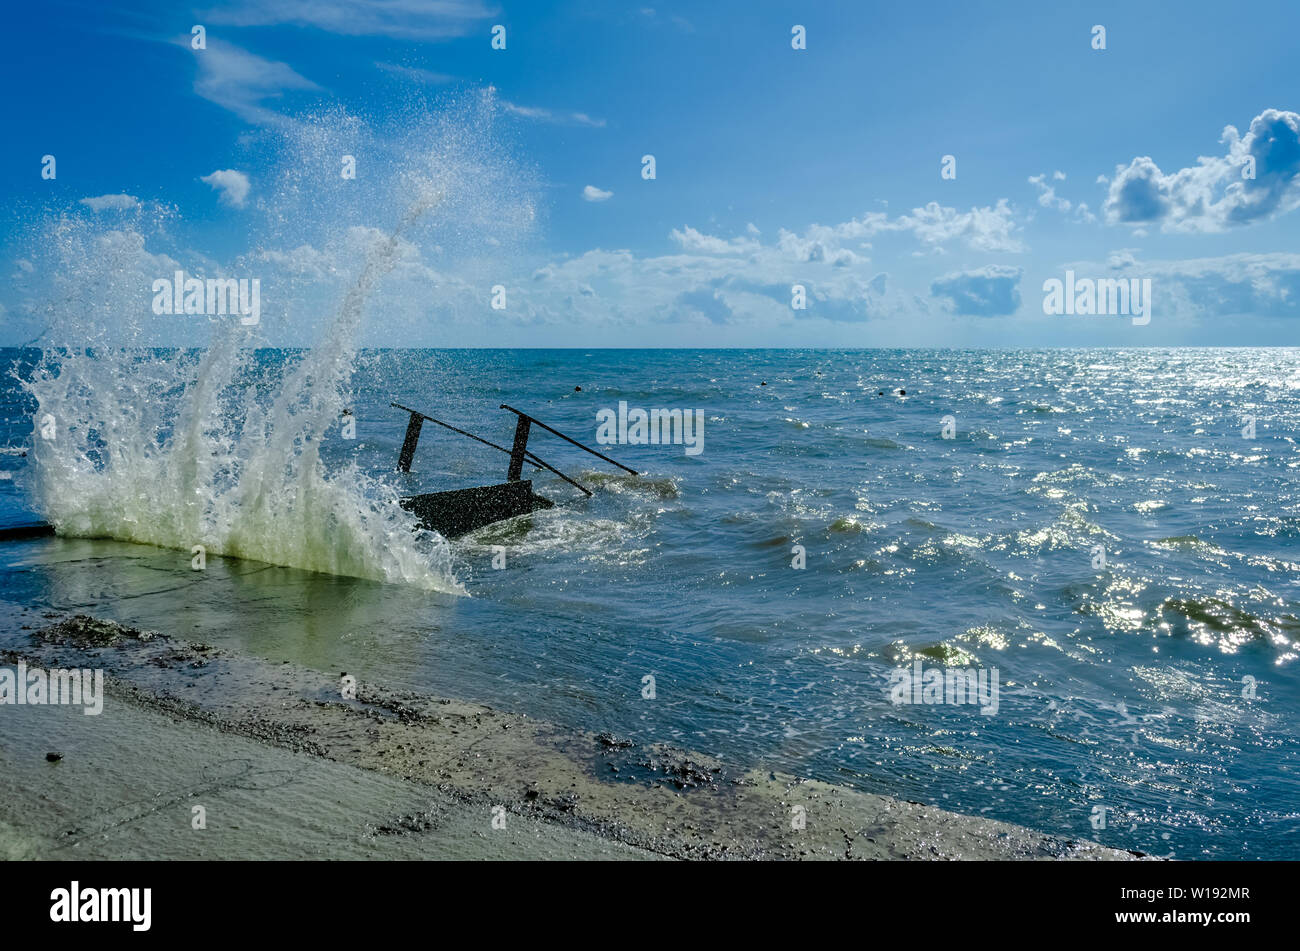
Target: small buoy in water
column 902, row 392
column 53, row 757
column 764, row 383
column 880, row 393
column 577, row 389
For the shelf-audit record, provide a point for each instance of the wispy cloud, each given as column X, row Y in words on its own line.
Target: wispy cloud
column 1048, row 198
column 415, row 74
column 111, row 202
column 241, row 81
column 989, row 228
column 691, row 239
column 399, row 19
column 680, row 22
column 592, row 193
column 538, row 114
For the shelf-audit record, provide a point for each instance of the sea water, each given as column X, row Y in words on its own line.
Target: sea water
column 1099, row 527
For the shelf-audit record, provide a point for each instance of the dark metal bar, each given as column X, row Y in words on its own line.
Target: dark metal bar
column 544, row 465
column 409, row 443
column 42, row 530
column 451, row 427
column 519, row 450
column 529, row 456
column 556, row 432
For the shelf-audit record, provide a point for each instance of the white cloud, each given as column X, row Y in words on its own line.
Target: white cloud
column 592, row 193
column 716, row 280
column 1218, row 192
column 111, row 202
column 1048, row 198
column 1235, row 285
column 992, row 291
column 703, row 283
column 692, row 240
column 983, row 229
column 237, row 80
column 1123, row 258
column 232, row 185
column 538, row 114
column 399, row 19
column 302, row 261
column 712, row 281
column 426, row 76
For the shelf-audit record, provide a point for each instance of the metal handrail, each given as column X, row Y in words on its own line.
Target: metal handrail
column 534, row 419
column 531, row 457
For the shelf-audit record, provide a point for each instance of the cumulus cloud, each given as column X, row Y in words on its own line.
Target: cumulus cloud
column 1235, row 285
column 983, row 229
column 692, row 240
column 992, row 291
column 990, row 228
column 1123, row 258
column 706, row 302
column 703, row 282
column 592, row 193
column 111, row 202
column 1218, row 192
column 711, row 280
column 302, row 261
column 721, row 279
column 817, row 245
column 233, row 186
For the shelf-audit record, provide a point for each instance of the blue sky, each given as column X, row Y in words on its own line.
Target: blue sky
column 774, row 167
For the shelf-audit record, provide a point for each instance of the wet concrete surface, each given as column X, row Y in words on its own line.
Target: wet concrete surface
column 445, row 770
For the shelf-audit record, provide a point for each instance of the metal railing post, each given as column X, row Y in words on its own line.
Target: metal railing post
column 518, row 450
column 408, row 444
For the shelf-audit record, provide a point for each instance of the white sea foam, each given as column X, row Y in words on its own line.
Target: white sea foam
column 211, row 447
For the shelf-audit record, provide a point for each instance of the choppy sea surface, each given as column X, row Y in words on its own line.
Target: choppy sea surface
column 1115, row 533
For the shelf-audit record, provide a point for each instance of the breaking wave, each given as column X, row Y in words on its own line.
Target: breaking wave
column 177, row 446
